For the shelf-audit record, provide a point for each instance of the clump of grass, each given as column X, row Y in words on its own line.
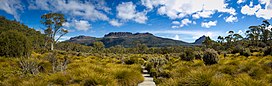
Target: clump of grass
column 198, row 77
column 228, row 69
column 221, row 80
column 245, row 80
column 126, row 77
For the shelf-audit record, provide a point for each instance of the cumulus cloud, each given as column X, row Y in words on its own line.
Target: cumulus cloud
column 86, row 9
column 208, row 24
column 176, row 37
column 203, row 14
column 127, row 11
column 182, row 23
column 11, row 7
column 178, row 9
column 258, row 11
column 185, row 22
column 115, row 23
column 240, row 1
column 80, row 25
column 250, row 10
column 175, row 22
column 174, row 26
column 231, row 19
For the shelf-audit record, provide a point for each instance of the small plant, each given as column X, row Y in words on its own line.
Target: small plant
column 29, row 66
column 57, row 65
column 210, row 57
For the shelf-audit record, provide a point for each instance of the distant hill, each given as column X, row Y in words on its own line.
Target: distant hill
column 128, row 39
column 36, row 37
column 200, row 40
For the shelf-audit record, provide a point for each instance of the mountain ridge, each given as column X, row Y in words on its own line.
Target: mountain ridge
column 128, row 39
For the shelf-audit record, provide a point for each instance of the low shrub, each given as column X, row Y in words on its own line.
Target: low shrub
column 210, row 57
column 245, row 52
column 187, row 56
column 268, row 51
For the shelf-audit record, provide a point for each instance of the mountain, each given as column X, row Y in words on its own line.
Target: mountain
column 128, row 39
column 200, row 40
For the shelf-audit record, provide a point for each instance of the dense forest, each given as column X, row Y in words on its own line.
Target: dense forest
column 30, row 57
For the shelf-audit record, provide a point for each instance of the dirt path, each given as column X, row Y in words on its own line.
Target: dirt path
column 148, row 80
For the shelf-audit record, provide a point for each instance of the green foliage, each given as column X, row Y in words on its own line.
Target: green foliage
column 14, row 44
column 98, row 46
column 189, row 55
column 268, row 51
column 53, row 23
column 210, row 57
column 35, row 37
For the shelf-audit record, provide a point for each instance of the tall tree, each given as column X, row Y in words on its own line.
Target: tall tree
column 53, row 23
column 220, row 39
column 237, row 37
column 265, row 31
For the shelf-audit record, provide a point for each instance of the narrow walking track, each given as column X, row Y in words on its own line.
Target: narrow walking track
column 148, row 80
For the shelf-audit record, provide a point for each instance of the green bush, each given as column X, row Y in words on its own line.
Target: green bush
column 268, row 51
column 245, row 52
column 14, row 44
column 187, row 56
column 210, row 57
column 237, row 49
column 198, row 55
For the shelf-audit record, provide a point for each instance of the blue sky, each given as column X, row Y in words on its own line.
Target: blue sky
column 184, row 20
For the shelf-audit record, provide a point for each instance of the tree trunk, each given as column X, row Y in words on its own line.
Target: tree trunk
column 52, row 46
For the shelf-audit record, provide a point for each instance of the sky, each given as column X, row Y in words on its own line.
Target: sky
column 184, row 20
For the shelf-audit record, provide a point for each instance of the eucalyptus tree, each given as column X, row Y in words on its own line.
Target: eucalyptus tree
column 266, row 33
column 53, row 23
column 220, row 39
column 237, row 37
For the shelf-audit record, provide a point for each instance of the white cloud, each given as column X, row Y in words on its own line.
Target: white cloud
column 127, row 11
column 194, row 34
column 180, row 8
column 208, row 24
column 86, row 9
column 176, row 22
column 176, row 37
column 182, row 23
column 11, row 7
column 250, row 10
column 80, row 25
column 115, row 23
column 203, row 14
column 231, row 19
column 258, row 11
column 240, row 32
column 185, row 22
column 175, row 27
column 240, row 1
